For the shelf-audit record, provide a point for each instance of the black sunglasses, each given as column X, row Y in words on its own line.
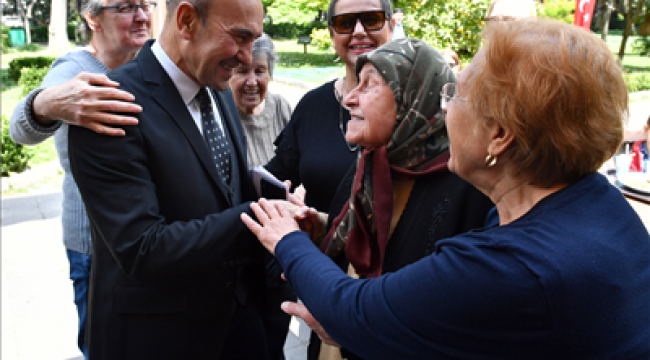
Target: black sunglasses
column 371, row 21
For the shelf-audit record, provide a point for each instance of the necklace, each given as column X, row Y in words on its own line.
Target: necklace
column 339, row 97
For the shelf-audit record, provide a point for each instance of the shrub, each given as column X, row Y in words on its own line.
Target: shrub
column 14, row 156
column 642, row 45
column 40, row 33
column 321, row 38
column 5, row 39
column 31, row 78
column 454, row 25
column 16, row 65
column 637, row 81
column 561, row 10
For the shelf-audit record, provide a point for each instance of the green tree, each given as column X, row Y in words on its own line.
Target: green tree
column 633, row 11
column 454, row 25
column 561, row 10
column 290, row 11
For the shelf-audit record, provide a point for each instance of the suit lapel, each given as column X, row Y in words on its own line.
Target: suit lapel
column 166, row 95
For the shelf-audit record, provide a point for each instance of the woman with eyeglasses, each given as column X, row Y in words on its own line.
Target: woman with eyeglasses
column 561, row 269
column 400, row 198
column 75, row 92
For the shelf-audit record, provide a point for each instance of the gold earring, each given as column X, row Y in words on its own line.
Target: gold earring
column 490, row 160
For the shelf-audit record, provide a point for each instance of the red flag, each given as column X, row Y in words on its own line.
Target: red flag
column 584, row 13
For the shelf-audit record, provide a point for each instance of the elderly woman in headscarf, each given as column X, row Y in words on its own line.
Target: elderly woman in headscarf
column 400, row 199
column 401, row 187
column 561, row 269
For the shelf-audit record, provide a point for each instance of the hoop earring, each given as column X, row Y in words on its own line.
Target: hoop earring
column 490, row 160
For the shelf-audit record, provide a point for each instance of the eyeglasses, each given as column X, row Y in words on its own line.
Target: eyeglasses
column 371, row 21
column 448, row 94
column 130, row 8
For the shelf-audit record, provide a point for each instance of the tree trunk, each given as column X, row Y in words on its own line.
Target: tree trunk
column 607, row 15
column 58, row 34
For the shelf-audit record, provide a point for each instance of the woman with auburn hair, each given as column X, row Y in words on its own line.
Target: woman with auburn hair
column 561, row 269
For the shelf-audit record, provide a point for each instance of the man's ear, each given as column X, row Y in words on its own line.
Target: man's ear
column 187, row 20
column 500, row 139
column 92, row 22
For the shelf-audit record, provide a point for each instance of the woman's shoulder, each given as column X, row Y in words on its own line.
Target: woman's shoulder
column 70, row 65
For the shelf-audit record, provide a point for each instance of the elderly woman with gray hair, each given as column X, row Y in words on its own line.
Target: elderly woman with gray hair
column 263, row 114
column 75, row 91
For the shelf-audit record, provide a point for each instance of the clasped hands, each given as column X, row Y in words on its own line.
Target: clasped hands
column 276, row 218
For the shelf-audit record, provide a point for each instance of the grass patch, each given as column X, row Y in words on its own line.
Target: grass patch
column 11, row 96
column 53, row 183
column 317, row 66
column 30, row 50
column 632, row 60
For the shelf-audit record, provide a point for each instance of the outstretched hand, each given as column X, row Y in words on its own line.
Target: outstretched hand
column 275, row 221
column 88, row 100
column 301, row 311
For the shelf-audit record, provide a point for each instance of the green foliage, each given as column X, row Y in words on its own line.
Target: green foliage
column 561, row 10
column 5, row 39
column 637, row 81
column 321, row 39
column 41, row 33
column 313, row 5
column 16, row 65
column 290, row 11
column 642, row 45
column 31, row 78
column 14, row 156
column 444, row 24
column 289, row 30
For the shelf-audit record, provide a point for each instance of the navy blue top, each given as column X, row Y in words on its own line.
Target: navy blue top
column 569, row 280
column 311, row 150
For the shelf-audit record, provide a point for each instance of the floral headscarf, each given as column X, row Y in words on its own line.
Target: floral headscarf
column 419, row 145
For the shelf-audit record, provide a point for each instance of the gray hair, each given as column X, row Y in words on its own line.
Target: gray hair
column 386, row 6
column 264, row 45
column 94, row 7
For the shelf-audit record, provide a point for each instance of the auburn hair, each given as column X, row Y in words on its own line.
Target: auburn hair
column 558, row 89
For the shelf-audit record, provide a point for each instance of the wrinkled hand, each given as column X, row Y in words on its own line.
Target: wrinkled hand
column 312, row 222
column 301, row 311
column 275, row 221
column 88, row 100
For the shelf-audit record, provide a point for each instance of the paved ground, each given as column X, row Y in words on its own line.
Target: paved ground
column 38, row 313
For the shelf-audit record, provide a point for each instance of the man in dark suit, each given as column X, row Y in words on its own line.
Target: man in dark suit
column 176, row 274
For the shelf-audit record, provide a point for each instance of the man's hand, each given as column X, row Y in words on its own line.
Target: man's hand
column 301, row 311
column 88, row 100
column 275, row 221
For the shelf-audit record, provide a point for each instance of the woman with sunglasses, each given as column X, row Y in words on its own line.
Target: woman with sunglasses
column 312, row 150
column 74, row 92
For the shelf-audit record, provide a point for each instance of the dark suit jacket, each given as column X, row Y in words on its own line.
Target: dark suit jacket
column 173, row 264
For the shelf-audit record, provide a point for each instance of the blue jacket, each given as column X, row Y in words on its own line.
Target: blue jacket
column 568, row 280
